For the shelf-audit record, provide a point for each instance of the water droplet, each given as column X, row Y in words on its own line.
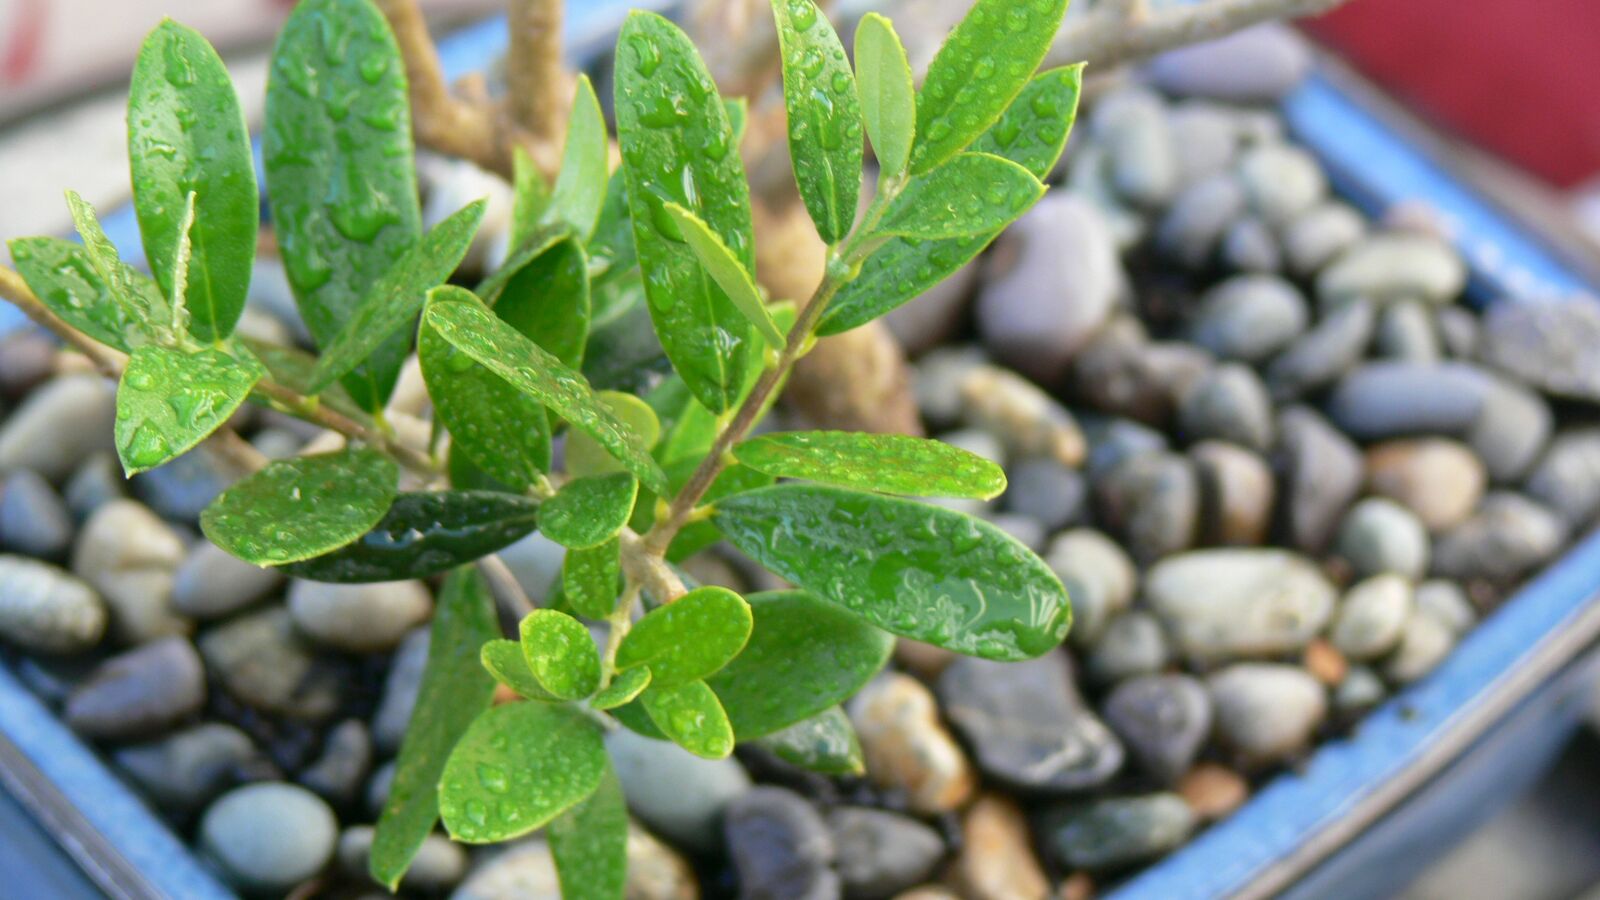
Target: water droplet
column 372, row 66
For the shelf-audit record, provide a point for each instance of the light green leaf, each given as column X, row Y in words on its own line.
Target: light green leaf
column 888, row 94
column 819, row 94
column 889, row 463
column 581, row 184
column 689, row 638
column 60, row 273
column 726, row 270
column 586, row 456
column 462, row 320
column 530, row 196
column 505, row 661
column 804, row 656
column 454, row 691
column 187, row 136
column 1034, row 129
column 981, row 66
column 738, row 116
column 519, row 766
column 560, row 653
column 975, row 193
column 589, row 511
column 919, row 571
column 590, row 578
column 501, row 430
column 153, row 316
column 690, row 716
column 302, row 507
column 170, row 400
column 590, row 844
column 628, row 684
column 824, row 743
column 548, row 301
column 678, row 147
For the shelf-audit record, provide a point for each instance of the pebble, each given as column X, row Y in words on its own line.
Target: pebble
column 400, row 688
column 1194, row 225
column 1027, row 724
column 1458, row 331
column 33, row 519
column 1320, row 356
column 1438, row 479
column 97, row 482
column 1266, row 712
column 45, row 610
column 1325, row 663
column 1567, row 478
column 780, row 847
column 879, row 853
column 1255, row 65
column 1360, row 691
column 182, row 771
column 271, row 293
column 1049, row 493
column 1213, row 791
column 536, row 562
column 1250, row 317
column 1098, row 576
column 1281, row 181
column 1131, row 125
column 996, row 861
column 1320, row 473
column 180, row 490
column 1122, row 372
column 1088, row 175
column 656, row 871
column 1120, row 831
column 1250, row 246
column 1048, row 284
column 1394, row 266
column 452, row 184
column 269, row 837
column 1379, row 535
column 130, row 557
column 906, row 748
column 1372, row 617
column 1025, row 530
column 1313, row 238
column 1229, row 403
column 1208, row 137
column 1237, row 491
column 1133, row 644
column 524, row 870
column 1547, row 345
column 1406, row 332
column 679, row 795
column 1152, row 502
column 212, row 583
column 339, row 773
column 934, row 316
column 438, row 866
column 1113, row 440
column 139, row 692
column 378, row 785
column 1445, row 601
column 1425, row 644
column 359, row 618
column 1163, row 719
column 59, row 426
column 1508, row 536
column 1220, row 605
column 1030, row 421
column 936, row 383
column 27, row 358
column 261, row 659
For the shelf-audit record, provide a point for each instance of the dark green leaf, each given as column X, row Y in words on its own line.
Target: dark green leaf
column 635, row 719
column 187, row 135
column 303, row 507
column 543, row 238
column 690, row 716
column 530, row 196
column 624, row 354
column 1034, row 129
column 589, row 511
column 627, row 685
column 590, row 844
column 982, row 65
column 505, row 661
column 611, row 246
column 467, row 324
column 454, row 691
column 890, row 463
column 975, row 193
column 689, row 638
column 581, row 184
column 727, row 271
column 919, row 571
column 804, row 656
column 142, row 301
column 677, row 147
column 170, row 400
column 560, row 653
column 291, row 368
column 340, row 175
column 824, row 743
column 586, row 456
column 424, row 534
column 397, row 297
column 519, row 766
column 590, row 578
column 60, row 273
column 888, row 94
column 548, row 301
column 503, row 431
column 819, row 95
column 697, row 536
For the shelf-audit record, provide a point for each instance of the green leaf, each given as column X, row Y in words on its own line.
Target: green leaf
column 804, row 656
column 187, row 135
column 519, row 766
column 181, row 257
column 824, row 743
column 398, row 296
column 633, row 717
column 454, row 691
column 628, row 684
column 590, row 844
column 611, row 246
column 581, row 184
column 974, row 193
column 589, row 511
column 982, row 65
column 819, row 95
column 697, row 536
column 170, row 400
column 689, row 638
column 690, row 716
column 506, row 662
column 548, row 301
column 678, row 147
column 542, row 239
column 60, row 273
column 586, row 456
column 888, row 463
column 501, row 430
column 426, row 533
column 919, row 571
column 738, row 117
column 727, row 271
column 341, row 179
column 291, row 368
column 530, row 196
column 888, row 94
column 303, row 507
column 462, row 320
column 560, row 653
column 1032, row 134
column 590, row 577
column 143, row 304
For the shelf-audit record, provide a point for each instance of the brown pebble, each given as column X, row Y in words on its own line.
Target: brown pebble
column 26, row 358
column 997, row 861
column 928, row 892
column 923, row 660
column 1078, row 886
column 1325, row 663
column 906, row 747
column 1213, row 791
column 1440, row 480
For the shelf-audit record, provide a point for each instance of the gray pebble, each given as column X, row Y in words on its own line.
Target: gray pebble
column 524, row 870
column 1567, row 478
column 27, row 359
column 378, row 785
column 1547, row 345
column 1207, row 136
column 1151, row 502
column 1379, row 535
column 1098, row 576
column 536, row 562
column 212, row 583
column 58, row 426
column 1131, row 125
column 1163, row 719
column 1220, row 605
column 1320, row 234
column 936, row 383
column 139, row 692
column 45, row 610
column 1193, row 226
column 1425, row 644
column 1237, row 491
column 1318, row 357
column 1114, row 440
column 1265, row 711
column 1281, row 181
column 263, row 661
column 1458, row 332
column 1133, row 644
column 880, row 853
column 1051, row 494
column 439, row 865
column 1116, row 832
column 1507, row 537
column 1394, row 266
column 270, row 836
column 1123, row 373
column 679, row 795
column 1256, row 65
column 97, row 482
column 1320, row 473
column 184, row 770
column 780, row 847
column 1406, row 332
column 1360, row 691
column 936, row 314
column 359, row 618
column 1025, row 530
column 1446, row 602
column 400, row 688
column 1372, row 617
column 33, row 519
column 130, row 557
column 1229, row 403
column 1250, row 246
column 180, row 490
column 1250, row 317
column 339, row 773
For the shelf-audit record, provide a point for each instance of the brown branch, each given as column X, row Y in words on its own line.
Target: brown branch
column 1121, row 30
column 537, row 83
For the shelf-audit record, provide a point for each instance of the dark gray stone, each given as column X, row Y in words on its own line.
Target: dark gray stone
column 1133, row 644
column 1507, row 537
column 1163, row 719
column 879, row 853
column 59, row 426
column 139, row 692
column 1251, row 246
column 1229, row 403
column 33, row 519
column 1320, row 473
column 183, row 488
column 1109, row 834
column 1048, row 492
column 1250, row 317
column 1151, row 502
column 339, row 773
column 1320, row 356
column 1194, row 225
column 184, row 770
column 1406, row 332
column 212, row 583
column 1548, row 345
column 260, row 659
column 781, row 848
column 1567, row 479
column 1255, row 65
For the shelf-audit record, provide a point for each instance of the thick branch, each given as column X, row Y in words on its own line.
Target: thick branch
column 1112, row 35
column 536, row 79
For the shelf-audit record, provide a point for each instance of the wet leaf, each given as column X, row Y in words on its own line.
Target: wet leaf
column 1034, row 129
column 974, row 193
column 590, row 844
column 889, row 463
column 170, row 400
column 591, row 579
column 738, row 117
column 586, row 456
column 302, row 507
column 291, row 368
column 581, row 184
column 689, row 638
column 611, row 246
column 804, row 656
column 141, row 299
column 888, row 94
column 690, row 716
column 519, row 766
column 454, row 691
column 824, row 115
column 60, row 273
column 505, row 661
column 678, row 147
column 626, row 686
column 824, row 743
column 548, row 301
column 560, row 653
column 543, row 238
column 501, row 430
column 187, row 135
column 697, row 536
column 589, row 511
column 426, row 533
column 530, row 196
column 341, row 180
column 919, row 571
column 727, row 271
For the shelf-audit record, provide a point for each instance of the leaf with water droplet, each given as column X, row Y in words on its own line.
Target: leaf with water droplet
column 586, row 456
column 187, row 135
column 551, row 758
column 170, row 400
column 590, row 844
column 505, row 661
column 291, row 368
column 341, row 179
column 503, row 432
column 303, row 507
column 962, row 96
column 530, row 196
column 560, row 653
column 453, row 692
column 729, row 274
column 60, row 273
column 610, row 248
column 888, row 94
column 589, row 511
column 824, row 743
column 690, row 716
column 975, row 193
column 547, row 299
column 824, row 116
column 591, row 578
column 888, row 463
column 733, row 479
column 689, row 638
column 143, row 305
column 627, row 685
column 923, row 572
column 675, row 138
column 581, row 184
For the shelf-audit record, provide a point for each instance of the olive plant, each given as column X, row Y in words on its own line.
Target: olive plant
column 652, row 469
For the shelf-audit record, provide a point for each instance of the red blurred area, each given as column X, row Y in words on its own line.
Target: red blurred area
column 1520, row 78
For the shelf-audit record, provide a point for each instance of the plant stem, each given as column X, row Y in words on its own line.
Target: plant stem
column 621, row 622
column 14, row 289
column 1121, row 30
